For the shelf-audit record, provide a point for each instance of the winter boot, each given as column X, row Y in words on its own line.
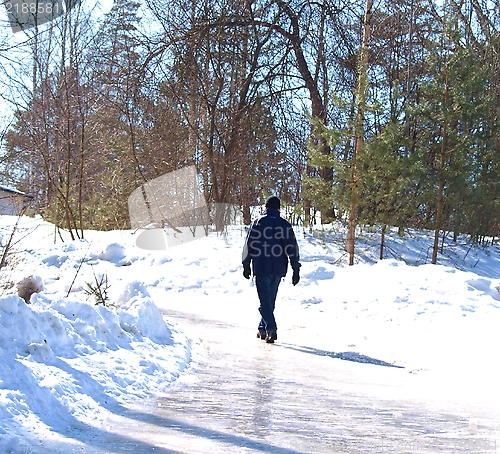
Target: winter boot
column 271, row 336
column 261, row 334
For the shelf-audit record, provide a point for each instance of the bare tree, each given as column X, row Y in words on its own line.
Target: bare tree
column 50, row 128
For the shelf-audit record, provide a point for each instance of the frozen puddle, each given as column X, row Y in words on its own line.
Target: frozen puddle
column 246, row 396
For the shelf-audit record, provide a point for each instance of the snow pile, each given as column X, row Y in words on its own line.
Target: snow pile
column 140, row 315
column 129, row 349
column 64, row 358
column 114, row 252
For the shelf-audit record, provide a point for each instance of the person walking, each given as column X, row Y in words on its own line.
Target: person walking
column 269, row 246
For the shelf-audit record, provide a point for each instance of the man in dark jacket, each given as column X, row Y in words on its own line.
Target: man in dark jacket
column 269, row 246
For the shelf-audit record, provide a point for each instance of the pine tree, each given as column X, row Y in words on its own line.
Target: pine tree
column 118, row 162
column 453, row 120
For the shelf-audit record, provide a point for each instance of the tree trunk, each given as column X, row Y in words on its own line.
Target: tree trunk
column 440, row 194
column 382, row 242
column 359, row 130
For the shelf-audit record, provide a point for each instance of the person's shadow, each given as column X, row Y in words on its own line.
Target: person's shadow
column 346, row 356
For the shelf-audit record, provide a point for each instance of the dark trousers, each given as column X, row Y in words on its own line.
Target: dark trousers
column 267, row 289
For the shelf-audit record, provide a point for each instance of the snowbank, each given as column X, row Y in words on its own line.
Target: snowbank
column 61, row 358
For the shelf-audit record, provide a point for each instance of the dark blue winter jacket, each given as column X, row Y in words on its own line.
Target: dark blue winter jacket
column 270, row 244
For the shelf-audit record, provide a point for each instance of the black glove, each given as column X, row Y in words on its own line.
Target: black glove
column 246, row 273
column 295, row 277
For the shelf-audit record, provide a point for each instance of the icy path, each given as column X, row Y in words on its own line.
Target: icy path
column 245, row 396
column 287, row 399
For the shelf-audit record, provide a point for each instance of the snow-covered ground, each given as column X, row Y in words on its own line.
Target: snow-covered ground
column 65, row 360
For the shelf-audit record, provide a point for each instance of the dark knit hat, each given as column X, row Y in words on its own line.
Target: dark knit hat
column 273, row 202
